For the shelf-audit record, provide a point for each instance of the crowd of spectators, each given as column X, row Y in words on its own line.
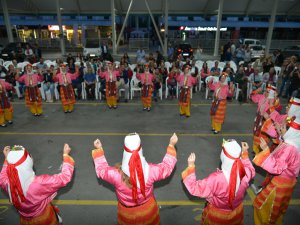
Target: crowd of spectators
column 243, row 73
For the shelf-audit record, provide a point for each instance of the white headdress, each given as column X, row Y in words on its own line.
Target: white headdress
column 134, row 163
column 20, row 174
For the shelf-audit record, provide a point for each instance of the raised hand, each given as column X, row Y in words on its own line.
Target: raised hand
column 173, row 139
column 245, row 146
column 67, row 149
column 192, row 159
column 6, row 150
column 263, row 144
column 97, row 144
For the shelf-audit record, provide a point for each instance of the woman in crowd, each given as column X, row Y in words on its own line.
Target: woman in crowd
column 67, row 94
column 111, row 92
column 283, row 165
column 218, row 108
column 6, row 109
column 33, row 97
column 147, row 79
column 186, row 83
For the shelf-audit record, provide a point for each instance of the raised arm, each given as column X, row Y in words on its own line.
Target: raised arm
column 256, row 96
column 103, row 170
column 52, row 183
column 249, row 169
column 200, row 188
column 164, row 169
column 3, row 174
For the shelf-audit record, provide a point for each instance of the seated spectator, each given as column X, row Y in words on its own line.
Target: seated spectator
column 76, row 83
column 172, row 82
column 205, row 72
column 90, row 83
column 215, row 71
column 10, row 77
column 163, row 71
column 124, row 79
column 248, row 70
column 256, row 79
column 49, row 83
column 41, row 65
column 270, row 77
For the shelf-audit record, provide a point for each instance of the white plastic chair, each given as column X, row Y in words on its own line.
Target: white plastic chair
column 6, row 64
column 237, row 91
column 134, row 86
column 233, row 66
column 207, row 80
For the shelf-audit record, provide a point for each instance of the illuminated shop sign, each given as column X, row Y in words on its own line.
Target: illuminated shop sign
column 55, row 27
column 202, row 28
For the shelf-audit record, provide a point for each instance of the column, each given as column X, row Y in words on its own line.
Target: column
column 217, row 40
column 7, row 21
column 61, row 36
column 113, row 25
column 271, row 27
column 166, row 28
column 75, row 34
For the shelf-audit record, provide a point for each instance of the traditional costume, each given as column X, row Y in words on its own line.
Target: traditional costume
column 224, row 189
column 146, row 79
column 266, row 103
column 292, row 111
column 219, row 104
column 111, row 91
column 33, row 97
column 134, row 181
column 283, row 164
column 31, row 195
column 65, row 87
column 6, row 109
column 186, row 83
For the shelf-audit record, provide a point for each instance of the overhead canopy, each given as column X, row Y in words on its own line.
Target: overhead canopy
column 178, row 7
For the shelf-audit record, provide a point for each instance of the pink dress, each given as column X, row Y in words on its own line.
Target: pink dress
column 105, row 75
column 214, row 188
column 157, row 172
column 69, row 77
column 191, row 81
column 221, row 92
column 142, row 78
column 43, row 188
column 36, row 78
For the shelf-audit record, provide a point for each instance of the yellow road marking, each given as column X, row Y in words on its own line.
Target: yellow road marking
column 123, row 134
column 132, row 104
column 112, row 202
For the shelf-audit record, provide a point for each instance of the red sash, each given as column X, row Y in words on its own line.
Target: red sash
column 68, row 91
column 183, row 94
column 145, row 90
column 112, row 88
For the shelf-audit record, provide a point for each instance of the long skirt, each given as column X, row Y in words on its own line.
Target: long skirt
column 215, row 216
column 146, row 214
column 48, row 217
column 33, row 96
column 67, row 95
column 219, row 116
column 272, row 202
